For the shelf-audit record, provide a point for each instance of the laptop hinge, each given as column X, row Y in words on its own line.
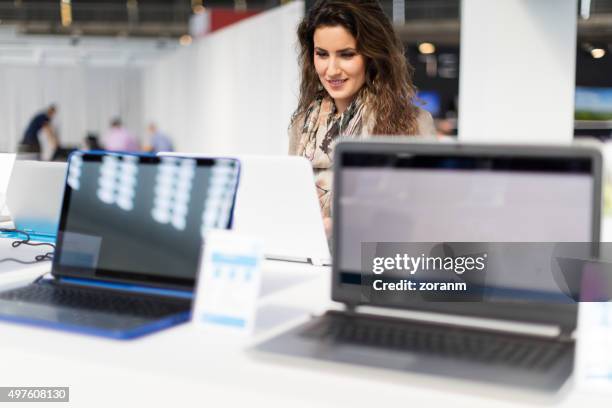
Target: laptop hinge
column 566, row 334
column 551, row 331
column 350, row 308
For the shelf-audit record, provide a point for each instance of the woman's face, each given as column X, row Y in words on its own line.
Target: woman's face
column 340, row 68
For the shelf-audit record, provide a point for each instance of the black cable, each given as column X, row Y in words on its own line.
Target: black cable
column 48, row 256
column 39, row 258
column 41, row 277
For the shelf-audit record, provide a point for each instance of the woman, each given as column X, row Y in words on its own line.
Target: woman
column 356, row 82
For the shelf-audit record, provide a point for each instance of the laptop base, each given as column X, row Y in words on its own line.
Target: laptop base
column 91, row 311
column 50, row 239
column 404, row 345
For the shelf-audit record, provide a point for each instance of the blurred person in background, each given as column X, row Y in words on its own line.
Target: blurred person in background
column 92, row 142
column 119, row 139
column 355, row 83
column 158, row 141
column 41, row 122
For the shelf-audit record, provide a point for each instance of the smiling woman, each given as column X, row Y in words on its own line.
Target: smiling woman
column 341, row 69
column 355, row 83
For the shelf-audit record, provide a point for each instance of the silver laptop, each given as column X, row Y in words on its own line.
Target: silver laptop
column 34, row 197
column 514, row 327
column 277, row 202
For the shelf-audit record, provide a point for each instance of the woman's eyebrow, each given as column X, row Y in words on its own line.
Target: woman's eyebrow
column 349, row 49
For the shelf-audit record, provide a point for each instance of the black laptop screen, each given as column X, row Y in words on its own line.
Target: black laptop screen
column 403, row 194
column 141, row 219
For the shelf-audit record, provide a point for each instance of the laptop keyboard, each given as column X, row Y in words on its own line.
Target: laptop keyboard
column 450, row 342
column 96, row 300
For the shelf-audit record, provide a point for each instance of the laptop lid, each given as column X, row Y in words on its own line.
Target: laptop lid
column 277, row 202
column 7, row 160
column 6, row 165
column 140, row 220
column 450, row 192
column 34, row 196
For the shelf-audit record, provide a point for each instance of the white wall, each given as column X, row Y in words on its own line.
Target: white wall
column 232, row 91
column 91, row 79
column 517, row 72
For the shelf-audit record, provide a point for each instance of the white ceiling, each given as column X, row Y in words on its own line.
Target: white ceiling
column 16, row 49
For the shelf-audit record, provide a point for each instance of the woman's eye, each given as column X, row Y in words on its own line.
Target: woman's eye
column 348, row 55
column 321, row 54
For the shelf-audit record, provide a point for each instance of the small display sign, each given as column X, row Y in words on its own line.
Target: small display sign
column 228, row 282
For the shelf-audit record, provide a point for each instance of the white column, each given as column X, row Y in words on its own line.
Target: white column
column 517, row 71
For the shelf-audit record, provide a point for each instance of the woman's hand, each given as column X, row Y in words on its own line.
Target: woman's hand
column 327, row 224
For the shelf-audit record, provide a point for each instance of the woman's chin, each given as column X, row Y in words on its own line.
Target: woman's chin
column 339, row 95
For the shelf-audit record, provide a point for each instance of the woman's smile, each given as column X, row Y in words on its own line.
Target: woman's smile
column 336, row 83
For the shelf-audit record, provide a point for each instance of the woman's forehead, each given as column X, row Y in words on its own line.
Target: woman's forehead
column 334, row 38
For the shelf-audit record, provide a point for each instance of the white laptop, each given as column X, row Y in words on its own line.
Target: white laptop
column 277, row 202
column 6, row 165
column 34, row 197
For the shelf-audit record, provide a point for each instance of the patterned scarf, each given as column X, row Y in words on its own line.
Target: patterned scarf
column 322, row 129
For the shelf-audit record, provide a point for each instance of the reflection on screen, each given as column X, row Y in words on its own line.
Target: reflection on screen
column 139, row 216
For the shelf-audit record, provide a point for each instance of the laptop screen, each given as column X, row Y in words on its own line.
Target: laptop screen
column 141, row 219
column 400, row 193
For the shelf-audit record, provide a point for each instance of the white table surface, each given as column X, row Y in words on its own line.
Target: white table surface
column 185, row 366
column 12, row 273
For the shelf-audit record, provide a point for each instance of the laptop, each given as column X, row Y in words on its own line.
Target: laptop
column 128, row 244
column 34, row 197
column 6, row 165
column 519, row 331
column 277, row 199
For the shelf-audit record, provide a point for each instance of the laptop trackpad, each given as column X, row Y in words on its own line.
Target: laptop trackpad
column 370, row 356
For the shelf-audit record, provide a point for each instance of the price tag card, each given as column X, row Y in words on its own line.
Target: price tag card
column 228, row 282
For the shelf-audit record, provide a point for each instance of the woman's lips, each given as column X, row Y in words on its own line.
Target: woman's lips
column 336, row 83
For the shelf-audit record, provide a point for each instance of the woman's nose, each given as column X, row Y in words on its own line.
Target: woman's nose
column 333, row 68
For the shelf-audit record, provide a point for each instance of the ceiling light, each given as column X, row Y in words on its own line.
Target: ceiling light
column 66, row 12
column 585, row 9
column 185, row 40
column 240, row 5
column 197, row 7
column 427, row 48
column 598, row 53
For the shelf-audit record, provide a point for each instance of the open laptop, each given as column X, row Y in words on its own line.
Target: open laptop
column 277, row 202
column 128, row 246
column 6, row 165
column 34, row 197
column 519, row 331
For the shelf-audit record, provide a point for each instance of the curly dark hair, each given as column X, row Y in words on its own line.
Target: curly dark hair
column 388, row 73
